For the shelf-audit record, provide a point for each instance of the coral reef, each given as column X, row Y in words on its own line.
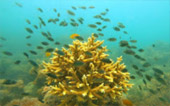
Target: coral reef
column 84, row 75
column 10, row 89
column 26, row 101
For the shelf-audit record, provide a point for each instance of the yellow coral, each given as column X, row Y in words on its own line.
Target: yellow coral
column 91, row 80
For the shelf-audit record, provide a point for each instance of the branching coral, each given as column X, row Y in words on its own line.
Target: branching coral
column 84, row 75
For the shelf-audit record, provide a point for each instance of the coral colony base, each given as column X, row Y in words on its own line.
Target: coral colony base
column 84, row 75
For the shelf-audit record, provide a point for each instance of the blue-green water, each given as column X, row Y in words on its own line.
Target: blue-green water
column 147, row 21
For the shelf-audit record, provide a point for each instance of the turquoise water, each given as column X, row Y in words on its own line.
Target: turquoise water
column 146, row 21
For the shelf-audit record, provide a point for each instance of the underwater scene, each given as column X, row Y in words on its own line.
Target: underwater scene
column 84, row 53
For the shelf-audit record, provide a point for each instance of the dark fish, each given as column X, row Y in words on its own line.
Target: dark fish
column 142, row 59
column 121, row 25
column 157, row 75
column 125, row 32
column 133, row 47
column 39, row 9
column 40, row 25
column 158, row 71
column 33, row 52
column 45, row 43
column 139, row 73
column 137, row 56
column 28, row 21
column 26, row 55
column 123, row 43
column 78, row 63
column 83, row 7
column 54, row 10
column 152, row 91
column 50, row 39
column 70, row 12
column 91, row 7
column 49, row 33
column 128, row 46
column 28, row 44
column 153, row 45
column 112, row 39
column 142, row 70
column 56, row 19
column 125, row 70
column 140, row 50
column 144, row 82
column 88, row 53
column 107, row 9
column 103, row 13
column 80, row 20
column 57, row 43
column 97, row 16
column 40, row 18
column 74, row 8
column 74, row 24
column 99, row 29
column 18, row 4
column 29, row 30
column 72, row 20
column 50, row 20
column 52, row 75
column 7, row 53
column 100, row 47
column 63, row 23
column 133, row 41
column 58, row 14
column 42, row 22
column 140, row 88
column 162, row 99
column 106, row 20
column 132, row 77
column 135, row 67
column 106, row 60
column 98, row 23
column 50, row 50
column 116, row 29
column 9, row 82
column 44, row 34
column 2, row 38
column 104, row 27
column 66, row 46
column 95, row 35
column 17, row 62
column 161, row 80
column 33, row 63
column 101, row 34
column 79, row 38
column 148, row 77
column 146, row 64
column 35, row 26
column 102, row 18
column 29, row 36
column 130, row 52
column 92, row 26
column 60, row 52
column 40, row 47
